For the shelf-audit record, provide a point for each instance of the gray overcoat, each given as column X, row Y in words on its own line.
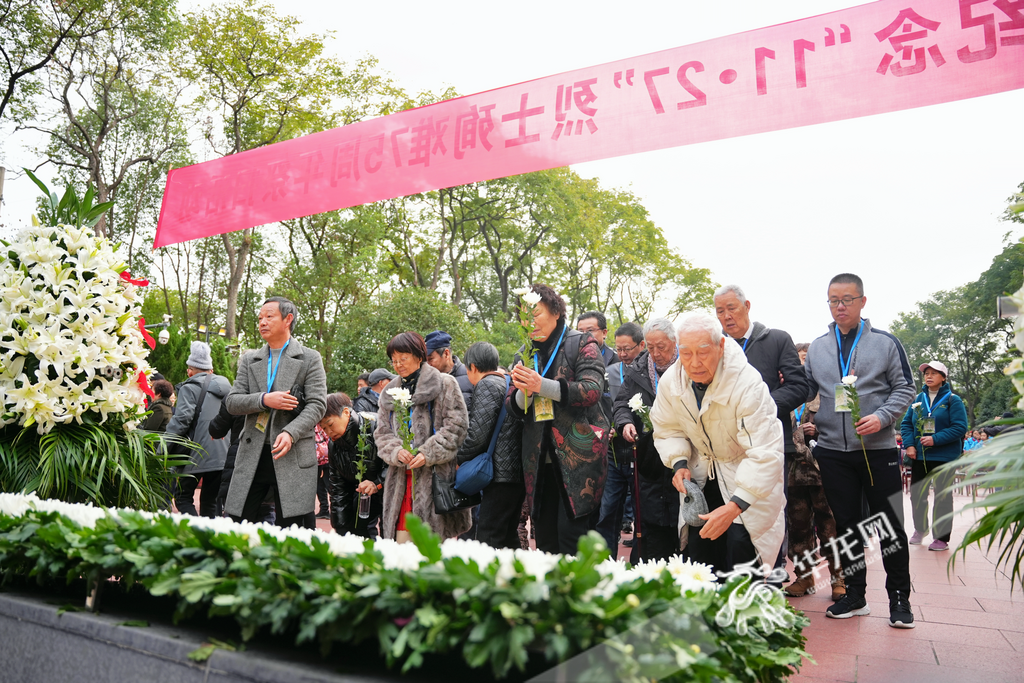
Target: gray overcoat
column 438, row 445
column 296, row 471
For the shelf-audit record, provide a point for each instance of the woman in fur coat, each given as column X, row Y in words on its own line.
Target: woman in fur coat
column 440, row 422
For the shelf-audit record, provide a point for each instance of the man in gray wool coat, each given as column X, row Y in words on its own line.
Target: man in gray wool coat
column 282, row 391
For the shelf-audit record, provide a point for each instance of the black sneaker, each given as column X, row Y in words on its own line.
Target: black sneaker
column 900, row 613
column 848, row 606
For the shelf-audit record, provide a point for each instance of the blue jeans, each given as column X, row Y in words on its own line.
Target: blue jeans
column 619, row 483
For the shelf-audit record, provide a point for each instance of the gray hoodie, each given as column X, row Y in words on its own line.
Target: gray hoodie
column 885, row 385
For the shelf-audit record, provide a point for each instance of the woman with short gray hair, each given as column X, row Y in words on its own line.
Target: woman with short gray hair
column 498, row 522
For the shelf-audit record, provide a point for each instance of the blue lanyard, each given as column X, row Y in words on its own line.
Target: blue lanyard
column 800, row 413
column 622, row 377
column 271, row 368
column 745, row 342
column 551, row 358
column 845, row 365
column 927, row 403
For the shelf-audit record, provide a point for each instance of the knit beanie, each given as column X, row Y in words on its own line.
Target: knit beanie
column 200, row 356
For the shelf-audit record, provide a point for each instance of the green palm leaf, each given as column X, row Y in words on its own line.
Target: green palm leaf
column 999, row 464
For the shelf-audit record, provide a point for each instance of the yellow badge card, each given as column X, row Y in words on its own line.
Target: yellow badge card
column 543, row 409
column 842, row 399
column 262, row 420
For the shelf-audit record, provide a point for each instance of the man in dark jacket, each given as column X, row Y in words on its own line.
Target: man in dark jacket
column 194, row 411
column 657, row 537
column 440, row 356
column 629, row 344
column 351, row 443
column 369, row 397
column 773, row 354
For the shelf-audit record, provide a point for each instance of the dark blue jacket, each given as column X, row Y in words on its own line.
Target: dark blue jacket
column 950, row 426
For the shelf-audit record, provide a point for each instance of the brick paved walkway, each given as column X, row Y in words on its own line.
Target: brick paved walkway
column 968, row 626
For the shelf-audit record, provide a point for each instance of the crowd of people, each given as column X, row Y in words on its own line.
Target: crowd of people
column 716, row 438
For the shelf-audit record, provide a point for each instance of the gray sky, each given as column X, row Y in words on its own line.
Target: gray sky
column 910, row 200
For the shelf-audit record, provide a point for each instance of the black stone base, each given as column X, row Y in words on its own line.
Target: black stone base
column 39, row 645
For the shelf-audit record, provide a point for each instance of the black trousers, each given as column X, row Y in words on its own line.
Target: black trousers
column 322, row 474
column 657, row 543
column 847, row 482
column 185, row 494
column 941, row 475
column 500, row 509
column 724, row 553
column 557, row 529
column 263, row 481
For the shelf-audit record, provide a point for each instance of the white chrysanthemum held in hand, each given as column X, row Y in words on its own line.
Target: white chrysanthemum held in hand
column 400, row 395
column 850, row 380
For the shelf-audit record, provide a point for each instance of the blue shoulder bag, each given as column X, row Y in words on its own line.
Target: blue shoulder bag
column 473, row 476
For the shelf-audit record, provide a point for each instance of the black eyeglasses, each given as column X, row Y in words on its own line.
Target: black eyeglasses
column 625, row 349
column 845, row 301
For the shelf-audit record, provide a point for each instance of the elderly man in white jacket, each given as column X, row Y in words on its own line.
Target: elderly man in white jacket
column 716, row 424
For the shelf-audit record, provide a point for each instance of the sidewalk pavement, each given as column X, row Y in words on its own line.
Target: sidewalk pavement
column 969, row 626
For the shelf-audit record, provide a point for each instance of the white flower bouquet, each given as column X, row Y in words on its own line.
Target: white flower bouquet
column 73, row 372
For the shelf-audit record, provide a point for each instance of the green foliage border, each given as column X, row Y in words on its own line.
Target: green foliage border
column 447, row 606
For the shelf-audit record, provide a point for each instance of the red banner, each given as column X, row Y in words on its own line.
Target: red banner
column 871, row 59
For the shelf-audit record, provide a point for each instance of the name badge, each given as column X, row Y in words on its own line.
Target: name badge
column 929, row 425
column 543, row 409
column 262, row 420
column 842, row 399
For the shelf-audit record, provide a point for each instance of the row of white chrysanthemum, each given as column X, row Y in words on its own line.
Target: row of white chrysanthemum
column 689, row 576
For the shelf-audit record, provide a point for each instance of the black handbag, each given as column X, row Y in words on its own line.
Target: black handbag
column 299, row 392
column 447, row 499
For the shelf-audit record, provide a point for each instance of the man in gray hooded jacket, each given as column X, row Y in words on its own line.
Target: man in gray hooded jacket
column 858, row 457
column 208, row 463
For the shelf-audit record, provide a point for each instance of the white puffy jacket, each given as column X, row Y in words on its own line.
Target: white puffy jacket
column 735, row 437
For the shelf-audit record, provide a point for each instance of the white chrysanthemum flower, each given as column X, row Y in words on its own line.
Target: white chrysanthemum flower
column 651, row 571
column 522, row 291
column 850, row 380
column 915, row 406
column 400, row 395
column 476, row 552
column 537, row 563
column 404, row 557
column 637, row 402
column 531, row 298
column 692, row 576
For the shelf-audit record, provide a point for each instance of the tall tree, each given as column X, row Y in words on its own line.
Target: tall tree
column 32, row 32
column 114, row 116
column 268, row 82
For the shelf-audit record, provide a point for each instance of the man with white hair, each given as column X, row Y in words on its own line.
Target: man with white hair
column 656, row 529
column 715, row 423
